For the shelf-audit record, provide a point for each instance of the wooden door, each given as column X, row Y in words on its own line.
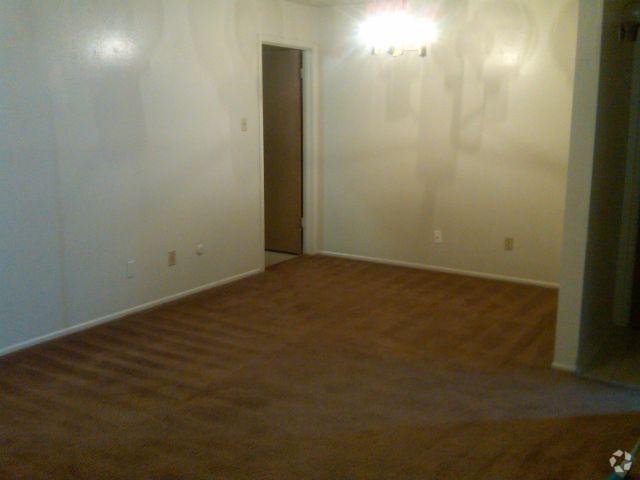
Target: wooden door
column 282, row 123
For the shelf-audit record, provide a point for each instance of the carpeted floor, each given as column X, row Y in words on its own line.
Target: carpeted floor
column 320, row 368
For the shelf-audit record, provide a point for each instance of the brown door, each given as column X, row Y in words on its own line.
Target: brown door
column 282, row 110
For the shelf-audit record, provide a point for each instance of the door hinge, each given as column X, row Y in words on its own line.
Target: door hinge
column 302, row 73
column 302, row 223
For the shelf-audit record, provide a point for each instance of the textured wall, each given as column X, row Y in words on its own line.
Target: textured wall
column 472, row 141
column 121, row 140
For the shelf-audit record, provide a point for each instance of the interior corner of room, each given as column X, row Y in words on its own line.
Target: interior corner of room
column 463, row 161
column 358, row 196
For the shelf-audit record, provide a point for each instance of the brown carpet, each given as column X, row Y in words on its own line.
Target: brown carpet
column 319, row 368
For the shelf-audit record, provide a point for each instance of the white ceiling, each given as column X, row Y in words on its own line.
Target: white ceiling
column 327, row 3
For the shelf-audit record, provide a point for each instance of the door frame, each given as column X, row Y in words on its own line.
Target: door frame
column 310, row 125
column 627, row 247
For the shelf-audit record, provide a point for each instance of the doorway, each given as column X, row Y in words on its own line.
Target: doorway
column 609, row 345
column 282, row 93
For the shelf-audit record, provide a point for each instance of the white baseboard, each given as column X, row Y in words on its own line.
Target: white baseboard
column 123, row 313
column 563, row 367
column 433, row 268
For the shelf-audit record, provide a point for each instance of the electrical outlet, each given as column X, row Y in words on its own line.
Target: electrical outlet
column 172, row 258
column 131, row 268
column 244, row 125
column 200, row 249
column 437, row 236
column 508, row 244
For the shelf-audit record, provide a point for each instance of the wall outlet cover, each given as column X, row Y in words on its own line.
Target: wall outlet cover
column 509, row 244
column 131, row 269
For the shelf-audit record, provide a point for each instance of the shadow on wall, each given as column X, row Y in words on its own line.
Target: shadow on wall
column 227, row 50
column 108, row 43
column 563, row 39
column 217, row 56
column 94, row 56
column 97, row 54
column 478, row 56
column 479, row 59
column 120, row 54
column 483, row 47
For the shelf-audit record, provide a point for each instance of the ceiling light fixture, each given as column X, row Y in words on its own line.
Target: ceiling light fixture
column 392, row 27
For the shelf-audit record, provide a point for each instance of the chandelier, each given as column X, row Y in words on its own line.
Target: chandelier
column 392, row 27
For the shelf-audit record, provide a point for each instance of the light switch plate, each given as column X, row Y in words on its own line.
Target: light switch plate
column 131, row 268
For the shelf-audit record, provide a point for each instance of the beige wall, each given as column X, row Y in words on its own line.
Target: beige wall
column 120, row 129
column 472, row 141
column 120, row 140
